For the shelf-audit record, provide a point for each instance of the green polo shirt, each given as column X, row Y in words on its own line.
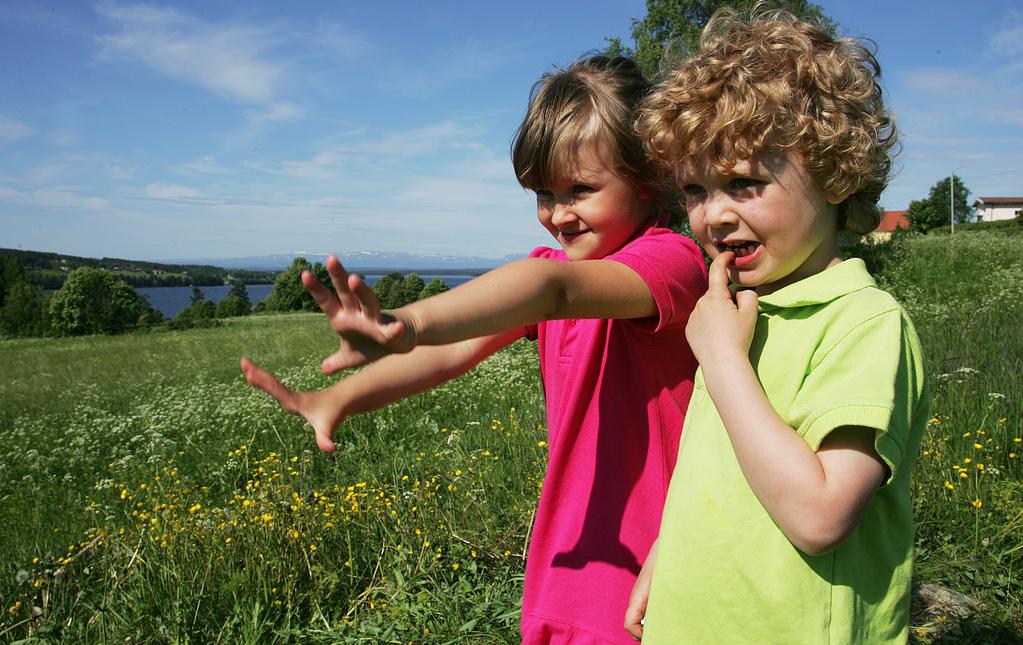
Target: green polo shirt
column 831, row 350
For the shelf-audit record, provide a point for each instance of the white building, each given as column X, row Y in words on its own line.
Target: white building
column 990, row 209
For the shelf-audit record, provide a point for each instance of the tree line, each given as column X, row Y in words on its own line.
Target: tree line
column 96, row 301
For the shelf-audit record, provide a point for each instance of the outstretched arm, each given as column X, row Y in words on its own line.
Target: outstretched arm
column 386, row 381
column 511, row 297
column 816, row 498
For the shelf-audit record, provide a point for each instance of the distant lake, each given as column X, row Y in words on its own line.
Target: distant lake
column 169, row 301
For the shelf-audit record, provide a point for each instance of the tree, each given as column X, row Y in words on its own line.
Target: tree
column 23, row 312
column 92, row 301
column 411, row 286
column 236, row 303
column 197, row 296
column 288, row 293
column 432, row 288
column 11, row 274
column 671, row 28
column 388, row 290
column 937, row 209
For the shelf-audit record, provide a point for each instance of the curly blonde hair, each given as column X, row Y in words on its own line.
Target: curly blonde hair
column 770, row 81
column 593, row 103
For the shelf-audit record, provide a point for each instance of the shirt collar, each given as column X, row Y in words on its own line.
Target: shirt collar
column 832, row 283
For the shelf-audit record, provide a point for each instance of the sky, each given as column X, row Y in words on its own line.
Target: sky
column 226, row 129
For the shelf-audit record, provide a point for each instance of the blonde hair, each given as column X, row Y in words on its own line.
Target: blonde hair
column 771, row 82
column 592, row 104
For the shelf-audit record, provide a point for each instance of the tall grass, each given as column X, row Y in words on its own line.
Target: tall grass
column 150, row 495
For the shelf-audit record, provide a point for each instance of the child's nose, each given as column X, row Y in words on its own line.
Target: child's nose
column 562, row 214
column 719, row 211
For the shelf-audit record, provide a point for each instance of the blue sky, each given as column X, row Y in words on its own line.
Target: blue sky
column 223, row 129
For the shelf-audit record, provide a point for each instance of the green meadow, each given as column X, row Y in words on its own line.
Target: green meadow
column 149, row 495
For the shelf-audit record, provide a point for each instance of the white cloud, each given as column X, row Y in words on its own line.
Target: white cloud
column 946, row 82
column 172, row 192
column 64, row 199
column 12, row 129
column 339, row 41
column 204, row 165
column 230, row 60
column 395, row 148
column 1007, row 42
column 276, row 113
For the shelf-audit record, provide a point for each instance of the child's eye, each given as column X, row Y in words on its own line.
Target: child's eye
column 544, row 197
column 744, row 183
column 693, row 191
column 580, row 189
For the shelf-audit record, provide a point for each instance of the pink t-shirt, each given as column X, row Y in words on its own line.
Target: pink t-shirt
column 617, row 392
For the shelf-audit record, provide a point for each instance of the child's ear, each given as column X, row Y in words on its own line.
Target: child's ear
column 834, row 199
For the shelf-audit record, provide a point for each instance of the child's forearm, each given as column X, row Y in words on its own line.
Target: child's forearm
column 816, row 498
column 401, row 375
column 527, row 292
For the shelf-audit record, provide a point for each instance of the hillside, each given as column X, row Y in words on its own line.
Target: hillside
column 49, row 270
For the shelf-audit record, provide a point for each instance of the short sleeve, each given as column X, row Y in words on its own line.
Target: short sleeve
column 674, row 270
column 547, row 253
column 872, row 377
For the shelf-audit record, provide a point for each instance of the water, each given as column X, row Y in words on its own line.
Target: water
column 169, row 301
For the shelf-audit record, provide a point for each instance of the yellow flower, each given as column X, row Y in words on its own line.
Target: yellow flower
column 967, row 461
column 194, row 508
column 977, row 503
column 977, row 446
column 949, row 486
column 1017, row 440
column 455, row 566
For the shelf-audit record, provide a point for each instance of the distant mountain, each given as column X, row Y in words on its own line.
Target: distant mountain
column 361, row 261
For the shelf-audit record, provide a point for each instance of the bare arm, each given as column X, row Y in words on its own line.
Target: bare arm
column 384, row 382
column 636, row 611
column 816, row 498
column 511, row 297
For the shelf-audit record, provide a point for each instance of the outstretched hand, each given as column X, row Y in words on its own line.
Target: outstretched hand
column 367, row 334
column 321, row 414
column 721, row 324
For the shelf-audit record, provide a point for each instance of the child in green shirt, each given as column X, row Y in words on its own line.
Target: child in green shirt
column 788, row 518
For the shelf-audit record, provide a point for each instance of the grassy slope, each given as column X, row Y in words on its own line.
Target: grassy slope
column 133, row 433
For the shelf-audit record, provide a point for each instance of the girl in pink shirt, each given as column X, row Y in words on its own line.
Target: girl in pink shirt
column 608, row 310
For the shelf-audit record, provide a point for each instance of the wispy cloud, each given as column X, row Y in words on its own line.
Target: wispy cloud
column 339, row 41
column 445, row 67
column 1007, row 42
column 12, row 129
column 172, row 192
column 231, row 60
column 276, row 113
column 396, row 148
column 946, row 82
column 63, row 199
column 204, row 165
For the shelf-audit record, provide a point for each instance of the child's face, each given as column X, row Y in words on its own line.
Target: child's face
column 769, row 211
column 592, row 211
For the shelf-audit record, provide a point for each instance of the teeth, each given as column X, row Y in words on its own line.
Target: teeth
column 741, row 248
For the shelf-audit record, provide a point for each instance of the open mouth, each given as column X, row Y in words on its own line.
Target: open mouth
column 568, row 236
column 740, row 249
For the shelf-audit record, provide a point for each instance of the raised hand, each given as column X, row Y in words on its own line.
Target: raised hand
column 721, row 325
column 323, row 414
column 367, row 334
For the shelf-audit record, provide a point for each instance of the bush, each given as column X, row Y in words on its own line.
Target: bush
column 94, row 302
column 1010, row 226
column 236, row 303
column 24, row 311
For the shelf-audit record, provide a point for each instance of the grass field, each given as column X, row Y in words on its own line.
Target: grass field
column 149, row 495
